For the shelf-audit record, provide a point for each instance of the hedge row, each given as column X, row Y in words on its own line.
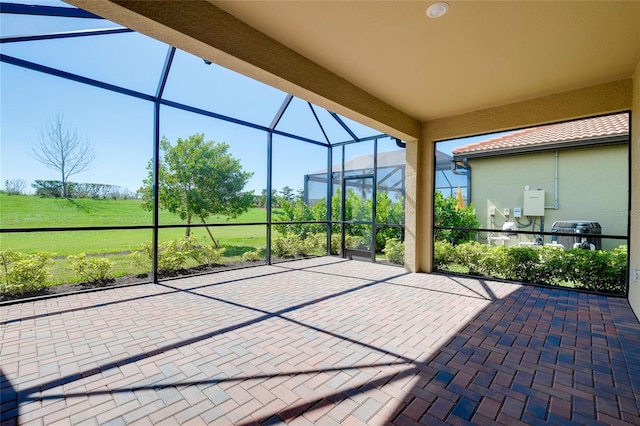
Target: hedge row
column 23, row 273
column 596, row 270
column 291, row 245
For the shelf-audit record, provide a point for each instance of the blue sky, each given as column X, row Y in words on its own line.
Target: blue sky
column 120, row 128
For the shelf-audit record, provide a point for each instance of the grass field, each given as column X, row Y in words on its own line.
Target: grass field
column 28, row 211
column 24, row 211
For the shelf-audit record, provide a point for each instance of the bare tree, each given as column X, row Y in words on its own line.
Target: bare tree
column 62, row 149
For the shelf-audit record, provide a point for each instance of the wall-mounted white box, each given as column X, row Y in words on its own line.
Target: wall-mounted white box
column 533, row 203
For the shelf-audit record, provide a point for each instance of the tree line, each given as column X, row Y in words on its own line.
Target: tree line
column 97, row 191
column 278, row 198
column 54, row 189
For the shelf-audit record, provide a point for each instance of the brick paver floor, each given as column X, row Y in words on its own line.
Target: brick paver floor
column 321, row 341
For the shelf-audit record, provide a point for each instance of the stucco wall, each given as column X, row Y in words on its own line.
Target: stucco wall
column 634, row 213
column 411, row 241
column 499, row 182
column 592, row 185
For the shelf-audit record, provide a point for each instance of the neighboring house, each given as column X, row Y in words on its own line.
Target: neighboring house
column 582, row 167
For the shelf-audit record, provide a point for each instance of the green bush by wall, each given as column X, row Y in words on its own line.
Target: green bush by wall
column 596, row 270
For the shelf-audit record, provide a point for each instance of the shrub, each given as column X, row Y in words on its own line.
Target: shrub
column 353, row 241
column 48, row 188
column 596, row 270
column 443, row 254
column 335, row 243
column 516, row 263
column 291, row 245
column 205, row 254
column 314, row 244
column 22, row 273
column 139, row 259
column 253, row 256
column 14, row 186
column 394, row 250
column 287, row 245
column 95, row 269
column 350, row 241
column 446, row 214
column 552, row 265
column 172, row 255
column 473, row 255
column 388, row 212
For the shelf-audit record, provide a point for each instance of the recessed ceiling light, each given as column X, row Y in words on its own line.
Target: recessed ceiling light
column 437, row 10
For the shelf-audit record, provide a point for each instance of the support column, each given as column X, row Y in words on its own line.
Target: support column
column 419, row 181
column 634, row 213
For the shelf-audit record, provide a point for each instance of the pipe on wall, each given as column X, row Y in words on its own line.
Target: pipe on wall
column 466, row 172
column 555, row 205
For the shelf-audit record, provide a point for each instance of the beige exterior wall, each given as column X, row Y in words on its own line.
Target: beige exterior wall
column 592, row 186
column 599, row 191
column 634, row 214
column 499, row 182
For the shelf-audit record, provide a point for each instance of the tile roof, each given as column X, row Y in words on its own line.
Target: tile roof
column 578, row 130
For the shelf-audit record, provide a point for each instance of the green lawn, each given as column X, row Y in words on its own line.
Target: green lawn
column 27, row 211
column 24, row 211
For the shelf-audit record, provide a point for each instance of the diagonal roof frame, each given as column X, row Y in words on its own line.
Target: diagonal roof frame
column 73, row 12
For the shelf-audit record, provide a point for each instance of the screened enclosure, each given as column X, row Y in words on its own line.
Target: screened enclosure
column 550, row 205
column 452, row 175
column 173, row 164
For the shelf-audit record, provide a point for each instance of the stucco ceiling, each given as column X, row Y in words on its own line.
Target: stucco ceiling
column 395, row 59
column 480, row 54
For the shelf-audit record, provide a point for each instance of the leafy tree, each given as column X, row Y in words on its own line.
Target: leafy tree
column 198, row 179
column 261, row 200
column 287, row 194
column 299, row 211
column 356, row 208
column 388, row 213
column 446, row 214
column 62, row 149
column 49, row 188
